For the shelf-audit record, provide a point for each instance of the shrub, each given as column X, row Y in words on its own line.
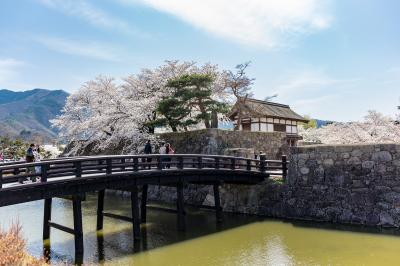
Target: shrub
column 13, row 248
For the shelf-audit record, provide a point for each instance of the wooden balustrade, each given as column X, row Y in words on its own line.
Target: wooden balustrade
column 77, row 167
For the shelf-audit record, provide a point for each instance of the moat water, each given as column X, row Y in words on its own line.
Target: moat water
column 239, row 240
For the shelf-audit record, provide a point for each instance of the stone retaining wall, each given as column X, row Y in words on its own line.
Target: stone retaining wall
column 216, row 141
column 346, row 183
column 357, row 184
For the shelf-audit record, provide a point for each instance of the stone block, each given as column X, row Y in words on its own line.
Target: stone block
column 381, row 156
column 346, row 155
column 368, row 164
column 301, row 162
column 382, row 189
column 358, row 190
column 372, row 218
column 328, row 162
column 391, row 197
column 354, row 161
column 380, row 168
column 356, row 153
column 396, row 163
column 385, row 219
column 304, row 170
column 303, row 156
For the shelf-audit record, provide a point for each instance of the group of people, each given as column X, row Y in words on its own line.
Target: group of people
column 32, row 155
column 165, row 148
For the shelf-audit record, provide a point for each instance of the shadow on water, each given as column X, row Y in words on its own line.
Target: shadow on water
column 351, row 228
column 116, row 239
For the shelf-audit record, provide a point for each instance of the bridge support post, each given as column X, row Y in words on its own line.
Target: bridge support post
column 47, row 218
column 100, row 209
column 78, row 230
column 217, row 201
column 143, row 207
column 135, row 213
column 180, row 207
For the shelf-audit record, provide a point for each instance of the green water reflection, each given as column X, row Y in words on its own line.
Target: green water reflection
column 240, row 240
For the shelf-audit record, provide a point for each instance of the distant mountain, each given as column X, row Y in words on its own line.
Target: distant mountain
column 26, row 114
column 321, row 123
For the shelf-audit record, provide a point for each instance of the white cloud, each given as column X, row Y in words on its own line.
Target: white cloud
column 261, row 23
column 309, row 103
column 90, row 13
column 89, row 49
column 9, row 71
column 306, row 81
column 317, row 93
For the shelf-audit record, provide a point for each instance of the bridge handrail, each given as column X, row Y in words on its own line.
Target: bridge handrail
column 44, row 160
column 62, row 160
column 108, row 164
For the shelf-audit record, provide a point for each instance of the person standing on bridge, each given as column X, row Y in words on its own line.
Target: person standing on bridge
column 38, row 157
column 148, row 150
column 29, row 158
column 169, row 150
column 162, row 151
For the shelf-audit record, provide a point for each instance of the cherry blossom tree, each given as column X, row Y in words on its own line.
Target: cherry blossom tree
column 376, row 128
column 239, row 85
column 100, row 115
column 103, row 113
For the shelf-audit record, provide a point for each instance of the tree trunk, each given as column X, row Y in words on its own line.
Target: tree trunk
column 152, row 118
column 214, row 119
column 203, row 111
column 241, row 102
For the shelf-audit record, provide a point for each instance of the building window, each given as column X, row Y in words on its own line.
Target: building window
column 255, row 127
column 263, row 127
column 270, row 127
column 291, row 129
column 279, row 128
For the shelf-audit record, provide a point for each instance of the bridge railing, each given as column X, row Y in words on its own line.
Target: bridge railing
column 77, row 167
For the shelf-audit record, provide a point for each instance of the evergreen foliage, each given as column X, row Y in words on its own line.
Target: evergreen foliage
column 190, row 103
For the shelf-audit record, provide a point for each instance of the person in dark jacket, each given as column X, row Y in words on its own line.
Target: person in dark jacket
column 29, row 158
column 148, row 150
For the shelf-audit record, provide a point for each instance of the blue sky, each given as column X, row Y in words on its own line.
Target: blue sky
column 328, row 59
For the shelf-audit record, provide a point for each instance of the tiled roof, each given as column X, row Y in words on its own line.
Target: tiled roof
column 258, row 108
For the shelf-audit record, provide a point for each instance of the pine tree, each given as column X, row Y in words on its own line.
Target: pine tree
column 190, row 103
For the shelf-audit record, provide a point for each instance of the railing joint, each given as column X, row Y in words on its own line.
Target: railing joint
column 135, row 164
column 199, row 162
column 43, row 173
column 233, row 163
column 78, row 169
column 109, row 166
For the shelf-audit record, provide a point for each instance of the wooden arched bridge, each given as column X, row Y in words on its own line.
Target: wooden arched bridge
column 72, row 177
